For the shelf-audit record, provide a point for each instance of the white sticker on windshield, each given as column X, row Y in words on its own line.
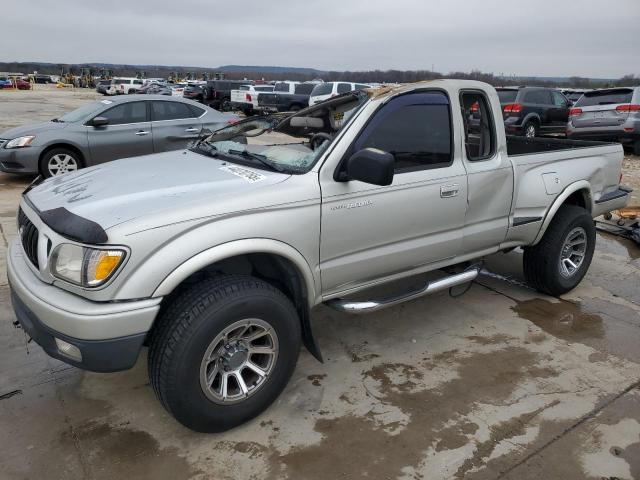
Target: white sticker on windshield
column 249, row 175
column 106, row 102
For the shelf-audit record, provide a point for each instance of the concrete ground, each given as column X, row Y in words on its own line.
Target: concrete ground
column 500, row 383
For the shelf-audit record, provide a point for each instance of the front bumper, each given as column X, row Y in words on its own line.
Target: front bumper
column 108, row 335
column 20, row 160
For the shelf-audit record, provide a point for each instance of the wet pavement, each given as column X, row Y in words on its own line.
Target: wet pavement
column 500, row 383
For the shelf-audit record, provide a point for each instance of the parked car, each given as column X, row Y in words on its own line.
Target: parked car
column 157, row 89
column 106, row 87
column 245, row 98
column 215, row 256
column 573, row 94
column 531, row 111
column 194, row 92
column 217, row 93
column 177, row 89
column 39, row 78
column 15, row 83
column 127, row 85
column 323, row 91
column 607, row 114
column 106, row 130
column 296, row 98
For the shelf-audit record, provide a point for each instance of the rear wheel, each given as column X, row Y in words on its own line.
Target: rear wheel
column 223, row 351
column 530, row 129
column 561, row 259
column 59, row 161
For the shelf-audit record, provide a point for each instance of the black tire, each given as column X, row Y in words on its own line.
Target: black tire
column 530, row 125
column 542, row 262
column 187, row 328
column 636, row 148
column 44, row 161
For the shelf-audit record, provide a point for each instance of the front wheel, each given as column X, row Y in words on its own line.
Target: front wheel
column 559, row 262
column 59, row 161
column 223, row 351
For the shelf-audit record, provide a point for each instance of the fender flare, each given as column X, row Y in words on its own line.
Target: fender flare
column 234, row 249
column 557, row 203
column 532, row 116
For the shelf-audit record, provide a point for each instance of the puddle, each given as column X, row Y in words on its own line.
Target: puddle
column 119, row 452
column 607, row 327
column 609, row 243
column 358, row 447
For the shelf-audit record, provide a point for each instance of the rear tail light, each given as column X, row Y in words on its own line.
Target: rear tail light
column 512, row 108
column 628, row 108
column 247, row 97
column 574, row 112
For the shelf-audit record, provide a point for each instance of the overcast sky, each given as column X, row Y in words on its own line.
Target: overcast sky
column 596, row 38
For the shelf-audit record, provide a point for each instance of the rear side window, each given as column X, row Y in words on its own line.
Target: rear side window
column 322, row 89
column 138, row 82
column 558, row 99
column 304, row 88
column 132, row 112
column 415, row 129
column 361, row 86
column 265, row 88
column 170, row 111
column 281, row 87
column 197, row 111
column 344, row 87
column 605, row 97
column 479, row 130
column 539, row 97
column 507, row 96
column 244, row 87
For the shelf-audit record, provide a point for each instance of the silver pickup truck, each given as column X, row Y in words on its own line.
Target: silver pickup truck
column 215, row 256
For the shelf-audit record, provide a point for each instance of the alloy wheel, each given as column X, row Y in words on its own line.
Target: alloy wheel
column 238, row 361
column 61, row 163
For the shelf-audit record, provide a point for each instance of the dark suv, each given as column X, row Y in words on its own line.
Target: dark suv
column 217, row 93
column 531, row 111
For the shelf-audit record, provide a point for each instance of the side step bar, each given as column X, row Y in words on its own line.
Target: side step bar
column 348, row 306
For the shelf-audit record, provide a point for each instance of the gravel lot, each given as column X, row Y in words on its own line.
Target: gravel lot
column 500, row 383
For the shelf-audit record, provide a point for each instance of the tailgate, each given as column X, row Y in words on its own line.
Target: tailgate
column 239, row 96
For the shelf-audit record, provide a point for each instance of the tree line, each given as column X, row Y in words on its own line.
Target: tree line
column 370, row 76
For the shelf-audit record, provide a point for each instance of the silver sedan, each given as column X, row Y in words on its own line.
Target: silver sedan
column 107, row 130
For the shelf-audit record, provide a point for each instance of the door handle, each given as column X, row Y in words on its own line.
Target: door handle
column 448, row 191
column 142, row 133
column 192, row 130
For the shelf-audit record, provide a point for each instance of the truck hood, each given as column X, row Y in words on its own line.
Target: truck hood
column 32, row 129
column 157, row 190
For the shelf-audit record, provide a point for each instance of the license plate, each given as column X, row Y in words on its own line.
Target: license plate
column 600, row 114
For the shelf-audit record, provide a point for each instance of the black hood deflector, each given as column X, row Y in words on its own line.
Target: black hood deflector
column 74, row 227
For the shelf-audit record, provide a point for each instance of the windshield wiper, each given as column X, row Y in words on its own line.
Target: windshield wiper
column 205, row 148
column 256, row 156
column 57, row 120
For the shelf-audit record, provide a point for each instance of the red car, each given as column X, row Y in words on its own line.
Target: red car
column 20, row 84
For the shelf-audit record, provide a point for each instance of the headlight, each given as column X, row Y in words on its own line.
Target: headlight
column 87, row 267
column 20, row 142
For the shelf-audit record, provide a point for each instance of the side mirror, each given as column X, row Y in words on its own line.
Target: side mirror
column 371, row 165
column 99, row 122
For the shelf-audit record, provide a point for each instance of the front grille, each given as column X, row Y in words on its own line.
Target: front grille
column 29, row 237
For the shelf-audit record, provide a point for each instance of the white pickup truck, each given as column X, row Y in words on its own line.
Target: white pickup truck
column 245, row 98
column 217, row 260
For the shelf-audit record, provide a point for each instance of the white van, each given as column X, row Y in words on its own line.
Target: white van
column 323, row 91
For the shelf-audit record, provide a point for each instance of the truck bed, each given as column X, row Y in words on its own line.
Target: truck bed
column 526, row 146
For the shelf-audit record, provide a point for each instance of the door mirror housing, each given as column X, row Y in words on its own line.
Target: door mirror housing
column 99, row 122
column 371, row 165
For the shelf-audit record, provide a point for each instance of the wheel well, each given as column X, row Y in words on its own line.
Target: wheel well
column 580, row 198
column 62, row 145
column 274, row 269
